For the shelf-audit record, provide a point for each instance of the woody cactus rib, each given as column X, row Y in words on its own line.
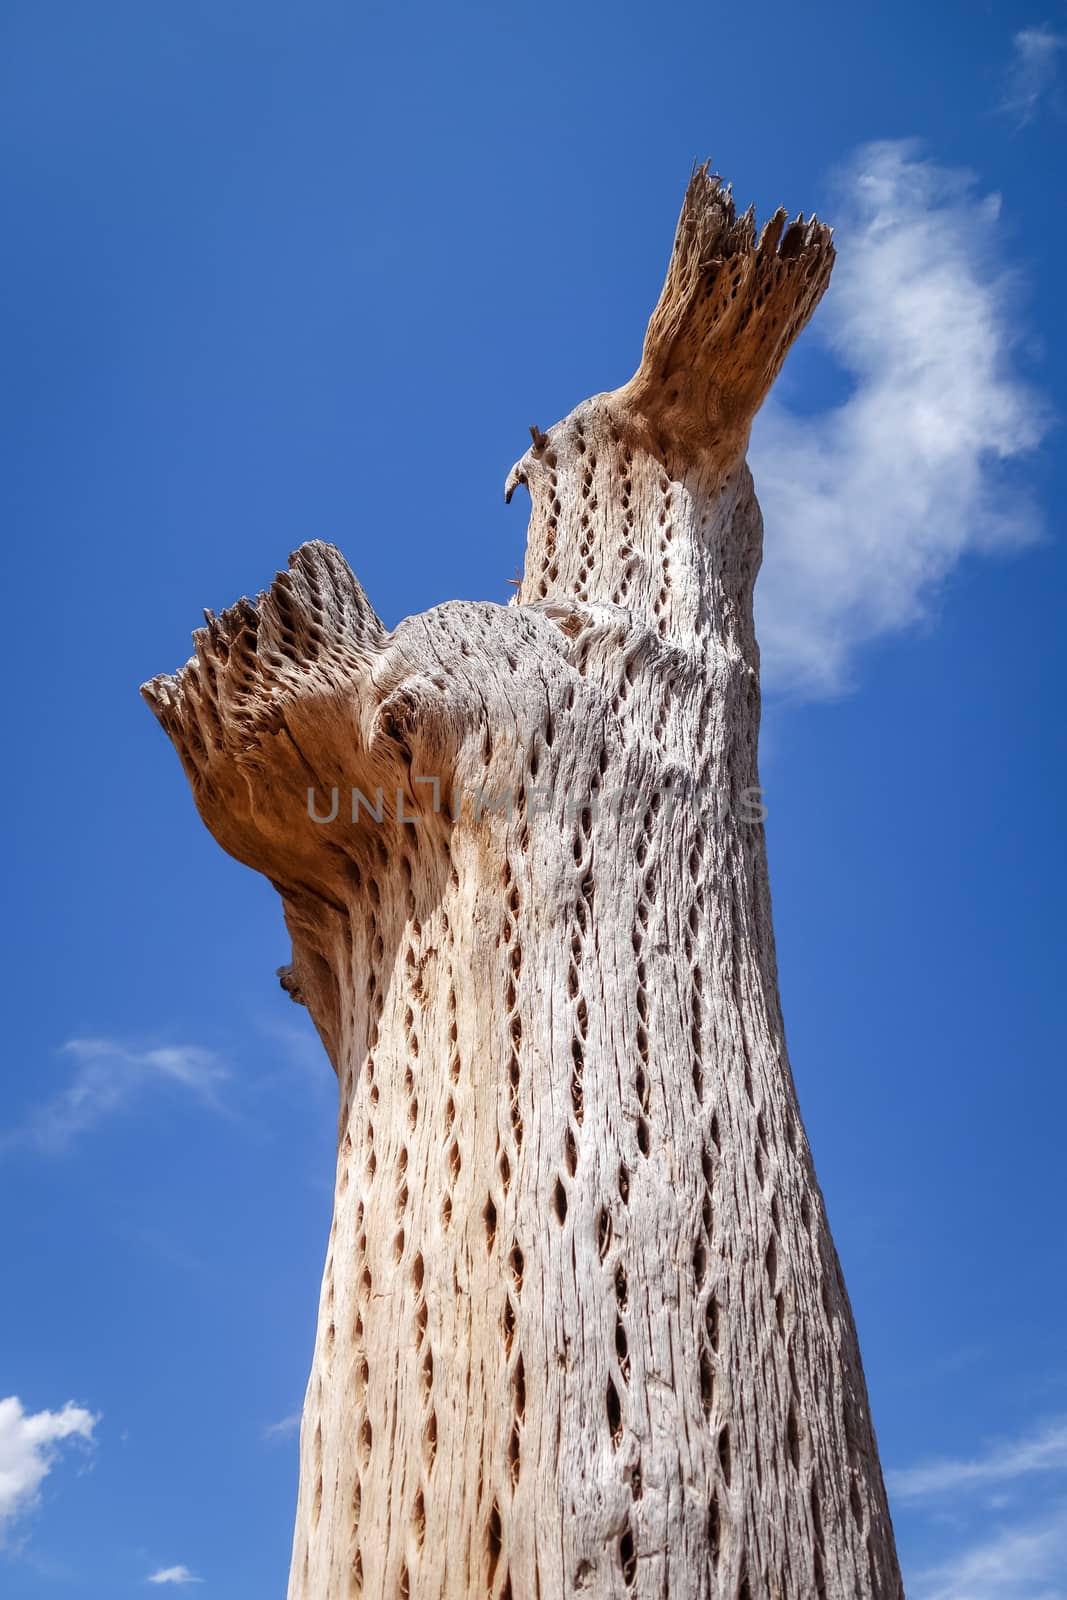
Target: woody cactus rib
column 582, row 1327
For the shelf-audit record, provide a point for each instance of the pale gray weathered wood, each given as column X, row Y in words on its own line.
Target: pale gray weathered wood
column 582, row 1326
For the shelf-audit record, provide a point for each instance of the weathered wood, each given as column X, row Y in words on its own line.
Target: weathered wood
column 582, row 1327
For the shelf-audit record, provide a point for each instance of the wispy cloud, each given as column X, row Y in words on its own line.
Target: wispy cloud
column 173, row 1575
column 29, row 1447
column 1008, row 1547
column 1034, row 70
column 108, row 1076
column 1042, row 1451
column 282, row 1430
column 1022, row 1563
column 870, row 504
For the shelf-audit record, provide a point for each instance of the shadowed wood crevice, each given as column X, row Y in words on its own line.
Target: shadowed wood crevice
column 582, row 1327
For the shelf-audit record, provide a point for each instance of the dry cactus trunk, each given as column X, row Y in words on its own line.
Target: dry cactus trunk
column 582, row 1327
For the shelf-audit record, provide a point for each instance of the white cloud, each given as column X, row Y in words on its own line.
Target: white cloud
column 108, row 1076
column 870, row 504
column 1025, row 1563
column 29, row 1446
column 1043, row 1451
column 1005, row 1553
column 173, row 1575
column 1034, row 69
column 282, row 1429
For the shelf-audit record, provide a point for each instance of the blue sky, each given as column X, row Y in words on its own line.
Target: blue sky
column 275, row 274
